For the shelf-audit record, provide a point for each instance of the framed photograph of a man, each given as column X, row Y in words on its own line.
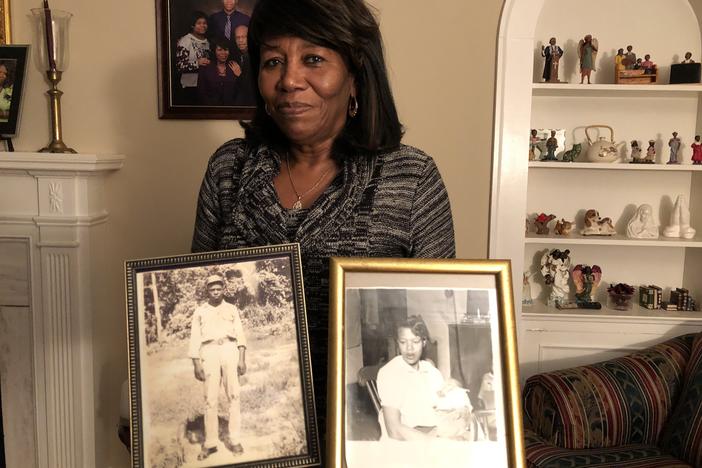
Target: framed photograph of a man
column 204, row 64
column 423, row 365
column 219, row 361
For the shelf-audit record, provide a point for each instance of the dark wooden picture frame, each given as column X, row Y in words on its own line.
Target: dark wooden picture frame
column 173, row 22
column 261, row 319
column 14, row 59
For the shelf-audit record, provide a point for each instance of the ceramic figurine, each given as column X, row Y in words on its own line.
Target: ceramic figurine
column 629, row 58
column 636, row 152
column 638, row 65
column 619, row 62
column 551, row 147
column 555, row 267
column 688, row 58
column 648, row 66
column 527, row 300
column 642, row 225
column 674, row 145
column 541, row 223
column 680, row 220
column 534, row 141
column 587, row 52
column 696, row 150
column 586, row 280
column 552, row 53
column 563, row 227
column 596, row 226
column 573, row 153
column 651, row 152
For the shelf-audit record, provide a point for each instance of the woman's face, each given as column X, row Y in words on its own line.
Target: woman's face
column 200, row 26
column 221, row 54
column 411, row 346
column 306, row 88
column 645, row 214
column 3, row 74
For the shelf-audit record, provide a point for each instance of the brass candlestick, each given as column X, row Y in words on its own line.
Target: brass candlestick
column 57, row 145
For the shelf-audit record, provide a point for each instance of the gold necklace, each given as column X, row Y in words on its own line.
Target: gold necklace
column 298, row 204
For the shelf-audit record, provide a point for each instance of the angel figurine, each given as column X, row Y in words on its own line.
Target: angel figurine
column 555, row 266
column 587, row 52
column 586, row 280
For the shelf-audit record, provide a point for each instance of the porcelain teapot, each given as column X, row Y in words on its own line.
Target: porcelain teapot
column 602, row 150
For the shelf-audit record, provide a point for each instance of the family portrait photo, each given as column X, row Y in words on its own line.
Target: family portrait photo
column 13, row 64
column 219, row 363
column 205, row 68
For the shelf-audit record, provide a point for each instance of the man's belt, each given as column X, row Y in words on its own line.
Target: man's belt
column 219, row 341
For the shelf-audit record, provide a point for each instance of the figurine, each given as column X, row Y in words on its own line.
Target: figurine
column 674, row 144
column 526, row 289
column 555, row 266
column 648, row 66
column 696, row 151
column 642, row 225
column 586, row 280
column 638, row 65
column 573, row 153
column 629, row 58
column 534, row 141
column 551, row 147
column 596, row 226
column 680, row 220
column 619, row 62
column 688, row 58
column 636, row 153
column 553, row 54
column 651, row 152
column 541, row 223
column 563, row 227
column 587, row 52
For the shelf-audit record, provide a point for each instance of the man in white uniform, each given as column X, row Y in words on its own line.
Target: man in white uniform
column 218, row 351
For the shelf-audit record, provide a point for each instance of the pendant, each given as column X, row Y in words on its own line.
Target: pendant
column 297, row 205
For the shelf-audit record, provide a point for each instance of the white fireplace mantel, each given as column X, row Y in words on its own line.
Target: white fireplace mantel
column 49, row 204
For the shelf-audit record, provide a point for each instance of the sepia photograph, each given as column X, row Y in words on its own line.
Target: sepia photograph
column 426, row 381
column 219, row 361
column 204, row 64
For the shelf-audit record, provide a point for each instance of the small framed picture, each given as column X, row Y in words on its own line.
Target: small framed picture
column 13, row 65
column 219, row 367
column 203, row 59
column 423, row 364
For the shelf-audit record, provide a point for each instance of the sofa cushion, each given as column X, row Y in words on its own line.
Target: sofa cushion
column 682, row 435
column 612, row 403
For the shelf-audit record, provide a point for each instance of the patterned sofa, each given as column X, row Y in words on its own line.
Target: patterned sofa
column 641, row 410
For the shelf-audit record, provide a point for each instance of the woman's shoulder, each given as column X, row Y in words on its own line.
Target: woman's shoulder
column 230, row 155
column 406, row 161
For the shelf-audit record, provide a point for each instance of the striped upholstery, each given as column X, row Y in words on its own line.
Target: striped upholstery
column 613, row 413
column 682, row 436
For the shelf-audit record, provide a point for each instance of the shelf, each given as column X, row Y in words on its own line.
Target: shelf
column 616, row 240
column 557, row 89
column 540, row 311
column 615, row 166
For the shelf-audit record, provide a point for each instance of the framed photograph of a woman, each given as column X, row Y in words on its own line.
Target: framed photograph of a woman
column 13, row 63
column 204, row 64
column 423, row 364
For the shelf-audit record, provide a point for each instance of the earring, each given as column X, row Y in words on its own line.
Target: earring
column 265, row 107
column 353, row 107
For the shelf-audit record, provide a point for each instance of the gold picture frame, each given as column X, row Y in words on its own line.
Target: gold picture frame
column 373, row 311
column 5, row 29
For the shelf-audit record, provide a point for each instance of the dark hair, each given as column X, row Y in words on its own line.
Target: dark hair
column 10, row 76
column 349, row 28
column 416, row 325
column 220, row 42
column 196, row 16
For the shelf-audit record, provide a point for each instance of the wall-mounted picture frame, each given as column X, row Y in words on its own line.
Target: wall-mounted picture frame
column 5, row 25
column 423, row 367
column 219, row 366
column 13, row 67
column 204, row 69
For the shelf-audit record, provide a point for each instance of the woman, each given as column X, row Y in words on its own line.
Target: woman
column 217, row 82
column 322, row 162
column 587, row 51
column 416, row 402
column 642, row 225
column 192, row 52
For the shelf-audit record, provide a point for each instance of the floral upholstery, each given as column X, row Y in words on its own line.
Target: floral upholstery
column 613, row 413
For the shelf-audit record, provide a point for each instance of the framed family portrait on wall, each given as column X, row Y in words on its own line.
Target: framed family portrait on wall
column 219, row 367
column 423, row 368
column 204, row 64
column 13, row 65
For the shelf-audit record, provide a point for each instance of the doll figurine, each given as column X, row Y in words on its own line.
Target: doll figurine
column 680, row 220
column 696, row 150
column 629, row 58
column 651, row 152
column 551, row 147
column 648, row 66
column 642, row 225
column 688, row 58
column 674, row 145
column 534, row 141
column 552, row 54
column 619, row 62
column 586, row 280
column 636, row 152
column 541, row 223
column 527, row 300
column 555, row 266
column 587, row 52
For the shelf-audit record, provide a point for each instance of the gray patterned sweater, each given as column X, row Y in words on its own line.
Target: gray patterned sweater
column 388, row 205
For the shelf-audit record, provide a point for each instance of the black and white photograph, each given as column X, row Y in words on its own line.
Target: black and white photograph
column 219, row 361
column 204, row 63
column 424, row 374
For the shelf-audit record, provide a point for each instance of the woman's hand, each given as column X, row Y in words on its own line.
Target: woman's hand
column 235, row 68
column 203, row 62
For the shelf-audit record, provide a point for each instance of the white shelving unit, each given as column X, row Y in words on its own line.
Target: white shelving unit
column 552, row 338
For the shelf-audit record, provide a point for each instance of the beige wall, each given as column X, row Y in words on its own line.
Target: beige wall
column 442, row 70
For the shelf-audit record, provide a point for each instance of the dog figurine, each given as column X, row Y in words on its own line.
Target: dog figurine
column 596, row 226
column 563, row 227
column 573, row 153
